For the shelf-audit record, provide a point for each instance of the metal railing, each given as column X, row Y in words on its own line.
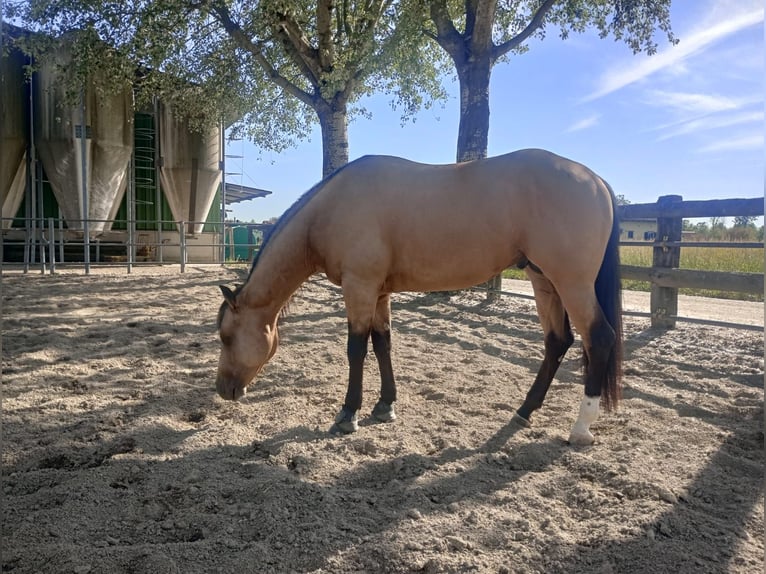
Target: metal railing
column 46, row 244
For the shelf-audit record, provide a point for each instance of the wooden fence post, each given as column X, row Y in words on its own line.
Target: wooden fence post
column 664, row 300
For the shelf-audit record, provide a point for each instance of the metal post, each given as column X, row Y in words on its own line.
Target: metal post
column 42, row 245
column 28, row 252
column 31, row 172
column 131, row 214
column 61, row 239
column 157, row 180
column 52, row 244
column 182, row 244
column 84, row 166
column 40, row 215
column 222, row 167
column 33, row 215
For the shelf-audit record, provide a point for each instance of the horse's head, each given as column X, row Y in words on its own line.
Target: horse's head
column 248, row 340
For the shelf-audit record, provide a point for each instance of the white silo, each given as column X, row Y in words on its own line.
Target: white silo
column 108, row 116
column 13, row 134
column 190, row 167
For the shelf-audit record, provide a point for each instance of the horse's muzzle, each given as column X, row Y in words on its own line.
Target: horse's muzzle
column 229, row 390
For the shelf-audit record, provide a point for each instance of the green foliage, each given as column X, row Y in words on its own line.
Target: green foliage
column 267, row 67
column 477, row 34
column 744, row 221
column 634, row 22
column 715, row 229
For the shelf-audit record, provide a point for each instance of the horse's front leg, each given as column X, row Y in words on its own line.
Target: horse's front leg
column 381, row 344
column 356, row 349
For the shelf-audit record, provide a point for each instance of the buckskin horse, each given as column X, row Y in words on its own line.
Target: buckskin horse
column 381, row 225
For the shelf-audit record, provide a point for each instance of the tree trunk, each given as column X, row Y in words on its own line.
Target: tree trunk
column 333, row 119
column 473, row 132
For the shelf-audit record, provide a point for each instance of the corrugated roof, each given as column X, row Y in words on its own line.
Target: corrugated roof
column 236, row 193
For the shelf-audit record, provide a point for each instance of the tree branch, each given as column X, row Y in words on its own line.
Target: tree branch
column 324, row 33
column 482, row 17
column 534, row 24
column 298, row 48
column 361, row 45
column 447, row 35
column 243, row 41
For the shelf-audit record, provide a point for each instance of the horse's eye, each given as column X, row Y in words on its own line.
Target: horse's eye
column 226, row 340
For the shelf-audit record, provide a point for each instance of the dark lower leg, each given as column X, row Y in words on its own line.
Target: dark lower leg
column 597, row 359
column 598, row 355
column 555, row 349
column 381, row 344
column 357, row 351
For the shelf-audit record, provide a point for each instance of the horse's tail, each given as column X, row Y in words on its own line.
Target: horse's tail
column 609, row 295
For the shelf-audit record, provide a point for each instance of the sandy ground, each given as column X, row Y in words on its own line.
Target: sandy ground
column 118, row 456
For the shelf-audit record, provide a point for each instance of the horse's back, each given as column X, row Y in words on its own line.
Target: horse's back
column 449, row 226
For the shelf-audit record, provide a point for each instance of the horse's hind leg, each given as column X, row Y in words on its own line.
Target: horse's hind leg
column 598, row 339
column 381, row 345
column 558, row 339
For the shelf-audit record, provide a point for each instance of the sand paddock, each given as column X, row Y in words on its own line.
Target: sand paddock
column 118, row 456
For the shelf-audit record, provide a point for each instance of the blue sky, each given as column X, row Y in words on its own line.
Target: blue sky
column 688, row 120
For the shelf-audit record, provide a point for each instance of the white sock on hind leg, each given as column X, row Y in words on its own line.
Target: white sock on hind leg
column 581, row 434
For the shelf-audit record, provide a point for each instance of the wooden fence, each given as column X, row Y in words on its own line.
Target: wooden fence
column 664, row 275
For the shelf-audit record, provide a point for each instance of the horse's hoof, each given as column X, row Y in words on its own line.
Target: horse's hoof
column 581, row 438
column 521, row 421
column 345, row 422
column 384, row 412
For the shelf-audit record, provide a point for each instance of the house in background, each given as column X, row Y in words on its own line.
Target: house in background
column 638, row 230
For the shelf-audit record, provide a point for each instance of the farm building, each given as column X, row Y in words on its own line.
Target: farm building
column 133, row 183
column 638, row 230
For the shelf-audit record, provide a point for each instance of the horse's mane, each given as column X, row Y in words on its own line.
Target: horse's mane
column 281, row 223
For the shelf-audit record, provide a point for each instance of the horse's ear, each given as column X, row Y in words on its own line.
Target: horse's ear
column 229, row 296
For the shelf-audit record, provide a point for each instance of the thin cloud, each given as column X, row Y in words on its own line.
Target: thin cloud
column 743, row 143
column 584, row 123
column 692, row 103
column 712, row 123
column 694, row 43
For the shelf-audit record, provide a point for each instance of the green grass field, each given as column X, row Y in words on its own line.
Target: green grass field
column 706, row 259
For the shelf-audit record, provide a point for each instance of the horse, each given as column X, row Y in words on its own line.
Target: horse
column 382, row 224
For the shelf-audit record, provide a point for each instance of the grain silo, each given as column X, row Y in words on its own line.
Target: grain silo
column 100, row 162
column 190, row 167
column 13, row 134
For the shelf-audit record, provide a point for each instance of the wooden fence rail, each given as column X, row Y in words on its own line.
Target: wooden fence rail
column 665, row 276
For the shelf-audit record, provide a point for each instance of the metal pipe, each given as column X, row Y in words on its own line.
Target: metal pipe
column 28, row 252
column 131, row 213
column 42, row 245
column 31, row 171
column 182, row 244
column 40, row 215
column 157, row 189
column 84, row 167
column 52, row 245
column 61, row 239
column 222, row 167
